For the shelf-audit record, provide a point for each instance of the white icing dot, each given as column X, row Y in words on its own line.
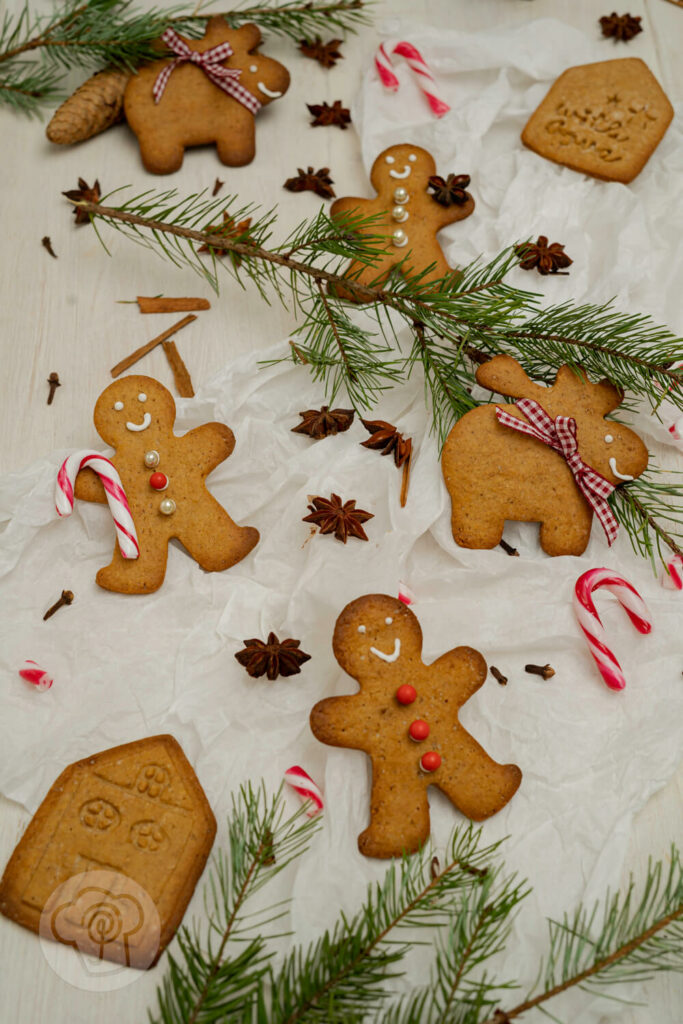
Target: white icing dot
column 142, row 397
column 412, row 158
column 361, row 629
column 118, row 406
column 253, row 67
column 390, row 159
column 608, row 438
column 388, row 620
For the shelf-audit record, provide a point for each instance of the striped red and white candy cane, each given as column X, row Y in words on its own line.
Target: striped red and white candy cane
column 672, row 578
column 302, row 783
column 419, row 67
column 113, row 488
column 33, row 673
column 593, row 629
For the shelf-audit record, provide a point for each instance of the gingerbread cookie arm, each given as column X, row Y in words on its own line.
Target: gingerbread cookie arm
column 450, row 214
column 213, row 443
column 89, row 487
column 464, row 670
column 473, row 781
column 340, row 722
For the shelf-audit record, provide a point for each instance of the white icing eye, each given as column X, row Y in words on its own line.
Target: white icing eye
column 361, row 629
column 608, row 438
column 118, row 406
column 253, row 67
column 390, row 159
column 142, row 397
column 412, row 158
column 388, row 620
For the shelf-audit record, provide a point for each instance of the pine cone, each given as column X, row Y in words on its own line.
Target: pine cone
column 95, row 106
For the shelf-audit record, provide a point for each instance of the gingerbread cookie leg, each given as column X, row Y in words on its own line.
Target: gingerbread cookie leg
column 220, row 542
column 239, row 146
column 142, row 575
column 399, row 813
column 371, row 275
column 568, row 531
column 475, row 526
column 161, row 154
column 474, row 782
column 432, row 255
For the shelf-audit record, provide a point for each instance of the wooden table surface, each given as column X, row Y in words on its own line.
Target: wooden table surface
column 59, row 315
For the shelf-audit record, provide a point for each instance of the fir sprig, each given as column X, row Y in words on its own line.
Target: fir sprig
column 464, row 911
column 36, row 49
column 453, row 324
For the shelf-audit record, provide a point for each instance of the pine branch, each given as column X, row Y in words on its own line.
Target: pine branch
column 644, row 504
column 299, row 19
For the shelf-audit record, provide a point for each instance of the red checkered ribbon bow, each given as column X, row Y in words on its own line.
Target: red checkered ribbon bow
column 560, row 435
column 210, row 63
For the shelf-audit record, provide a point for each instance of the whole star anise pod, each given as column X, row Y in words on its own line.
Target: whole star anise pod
column 620, row 27
column 318, row 423
column 324, row 114
column 273, row 658
column 548, row 259
column 228, row 229
column 326, row 54
column 343, row 519
column 319, row 182
column 451, row 191
column 386, row 439
column 91, row 195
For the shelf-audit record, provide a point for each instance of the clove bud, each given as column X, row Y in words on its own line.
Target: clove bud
column 498, row 675
column 546, row 671
column 54, row 382
column 66, row 598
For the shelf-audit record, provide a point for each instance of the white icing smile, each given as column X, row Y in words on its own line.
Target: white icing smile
column 268, row 92
column 388, row 657
column 401, row 174
column 613, row 467
column 146, row 420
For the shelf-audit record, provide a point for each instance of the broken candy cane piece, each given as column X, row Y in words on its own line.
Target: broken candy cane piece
column 113, row 488
column 589, row 620
column 417, row 65
column 405, row 594
column 33, row 673
column 302, row 783
column 672, row 577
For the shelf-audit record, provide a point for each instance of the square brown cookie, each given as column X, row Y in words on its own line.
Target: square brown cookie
column 603, row 119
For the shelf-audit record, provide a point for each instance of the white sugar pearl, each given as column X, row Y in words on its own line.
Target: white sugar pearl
column 399, row 214
column 388, row 620
column 151, row 459
column 399, row 238
column 401, row 195
column 253, row 67
column 167, row 506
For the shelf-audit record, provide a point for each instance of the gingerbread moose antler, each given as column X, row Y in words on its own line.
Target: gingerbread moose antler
column 550, row 458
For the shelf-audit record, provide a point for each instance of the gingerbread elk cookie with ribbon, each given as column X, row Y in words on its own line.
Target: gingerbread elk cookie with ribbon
column 551, row 458
column 405, row 718
column 155, row 487
column 210, row 91
column 412, row 204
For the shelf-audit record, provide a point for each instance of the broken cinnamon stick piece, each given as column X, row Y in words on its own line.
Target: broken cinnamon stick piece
column 144, row 349
column 181, row 375
column 159, row 304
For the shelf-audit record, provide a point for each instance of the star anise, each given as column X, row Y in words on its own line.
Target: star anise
column 273, row 658
column 343, row 519
column 318, row 423
column 319, row 182
column 620, row 26
column 228, row 229
column 324, row 114
column 91, row 195
column 326, row 54
column 451, row 191
column 386, row 440
column 548, row 259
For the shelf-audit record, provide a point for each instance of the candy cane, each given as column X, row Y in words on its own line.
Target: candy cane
column 589, row 620
column 33, row 673
column 302, row 783
column 672, row 578
column 405, row 594
column 417, row 65
column 116, row 496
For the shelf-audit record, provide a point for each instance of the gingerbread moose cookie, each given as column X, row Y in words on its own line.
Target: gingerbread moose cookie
column 407, row 214
column 405, row 717
column 551, row 458
column 155, row 486
column 209, row 92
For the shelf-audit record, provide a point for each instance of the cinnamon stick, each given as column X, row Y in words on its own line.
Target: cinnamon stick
column 144, row 349
column 159, row 304
column 181, row 375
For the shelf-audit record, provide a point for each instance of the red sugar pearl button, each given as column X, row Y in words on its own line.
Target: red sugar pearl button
column 430, row 761
column 419, row 730
column 158, row 481
column 406, row 694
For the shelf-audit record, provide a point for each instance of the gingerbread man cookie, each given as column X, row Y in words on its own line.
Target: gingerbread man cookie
column 164, row 480
column 408, row 216
column 188, row 101
column 494, row 473
column 405, row 717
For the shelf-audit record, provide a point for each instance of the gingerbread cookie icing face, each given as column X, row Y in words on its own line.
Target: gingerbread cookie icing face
column 125, row 411
column 386, row 637
column 402, row 165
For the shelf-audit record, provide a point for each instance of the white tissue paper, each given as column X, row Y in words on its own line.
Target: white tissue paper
column 127, row 667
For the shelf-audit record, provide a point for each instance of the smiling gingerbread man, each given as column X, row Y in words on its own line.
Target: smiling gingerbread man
column 407, row 215
column 405, row 717
column 163, row 476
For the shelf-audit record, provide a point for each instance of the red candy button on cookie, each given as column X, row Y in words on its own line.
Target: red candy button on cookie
column 430, row 761
column 406, row 694
column 419, row 730
column 159, row 481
